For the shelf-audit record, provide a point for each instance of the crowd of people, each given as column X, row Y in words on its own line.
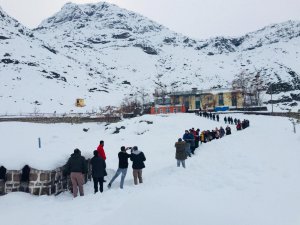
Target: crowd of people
column 77, row 167
column 237, row 122
column 191, row 138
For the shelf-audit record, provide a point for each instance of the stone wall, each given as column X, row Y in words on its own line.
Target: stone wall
column 41, row 182
column 40, row 119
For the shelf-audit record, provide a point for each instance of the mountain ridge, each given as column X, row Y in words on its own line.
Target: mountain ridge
column 103, row 52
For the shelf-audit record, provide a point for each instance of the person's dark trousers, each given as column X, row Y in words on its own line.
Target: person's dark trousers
column 193, row 149
column 98, row 180
column 196, row 144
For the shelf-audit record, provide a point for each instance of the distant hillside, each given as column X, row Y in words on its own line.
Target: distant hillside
column 103, row 53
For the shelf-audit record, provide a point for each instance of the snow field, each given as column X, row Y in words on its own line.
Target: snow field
column 249, row 177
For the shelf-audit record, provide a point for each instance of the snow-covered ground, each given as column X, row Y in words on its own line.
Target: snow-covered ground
column 250, row 177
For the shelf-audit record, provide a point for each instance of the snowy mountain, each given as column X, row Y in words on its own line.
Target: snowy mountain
column 103, row 53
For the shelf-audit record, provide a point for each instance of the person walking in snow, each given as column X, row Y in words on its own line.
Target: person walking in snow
column 192, row 141
column 98, row 171
column 202, row 137
column 76, row 167
column 235, row 121
column 186, row 138
column 101, row 151
column 197, row 138
column 180, row 155
column 228, row 130
column 217, row 133
column 138, row 158
column 218, row 118
column 123, row 166
column 222, row 132
column 225, row 119
column 102, row 154
column 239, row 126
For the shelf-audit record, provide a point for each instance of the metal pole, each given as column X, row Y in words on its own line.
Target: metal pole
column 272, row 97
column 40, row 145
column 272, row 101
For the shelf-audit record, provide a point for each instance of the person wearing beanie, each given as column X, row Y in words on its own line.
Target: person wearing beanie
column 76, row 167
column 137, row 157
column 180, row 154
column 98, row 171
column 123, row 166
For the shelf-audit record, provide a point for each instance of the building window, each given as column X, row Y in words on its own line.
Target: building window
column 161, row 111
column 168, row 110
column 156, row 110
column 176, row 100
column 221, row 99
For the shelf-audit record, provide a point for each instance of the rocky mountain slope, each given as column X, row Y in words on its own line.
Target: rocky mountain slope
column 103, row 53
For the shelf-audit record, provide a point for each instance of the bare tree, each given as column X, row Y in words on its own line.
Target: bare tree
column 242, row 83
column 251, row 86
column 144, row 97
column 162, row 93
column 257, row 86
column 130, row 105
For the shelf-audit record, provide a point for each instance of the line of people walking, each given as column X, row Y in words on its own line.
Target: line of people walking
column 187, row 145
column 191, row 138
column 213, row 116
column 77, row 168
column 208, row 115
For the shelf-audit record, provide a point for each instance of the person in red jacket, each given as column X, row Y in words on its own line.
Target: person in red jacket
column 101, row 151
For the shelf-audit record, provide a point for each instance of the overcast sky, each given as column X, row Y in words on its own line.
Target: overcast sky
column 194, row 18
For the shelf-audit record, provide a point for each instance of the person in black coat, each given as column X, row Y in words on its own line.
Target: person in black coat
column 218, row 118
column 123, row 166
column 76, row 167
column 228, row 130
column 137, row 157
column 98, row 171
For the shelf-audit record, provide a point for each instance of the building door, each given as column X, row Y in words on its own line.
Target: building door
column 187, row 105
column 197, row 103
column 233, row 99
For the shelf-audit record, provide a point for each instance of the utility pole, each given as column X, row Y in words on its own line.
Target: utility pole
column 294, row 124
column 272, row 97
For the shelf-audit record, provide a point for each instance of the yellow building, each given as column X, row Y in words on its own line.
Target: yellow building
column 80, row 102
column 208, row 99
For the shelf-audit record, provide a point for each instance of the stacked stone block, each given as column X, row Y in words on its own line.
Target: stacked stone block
column 41, row 182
